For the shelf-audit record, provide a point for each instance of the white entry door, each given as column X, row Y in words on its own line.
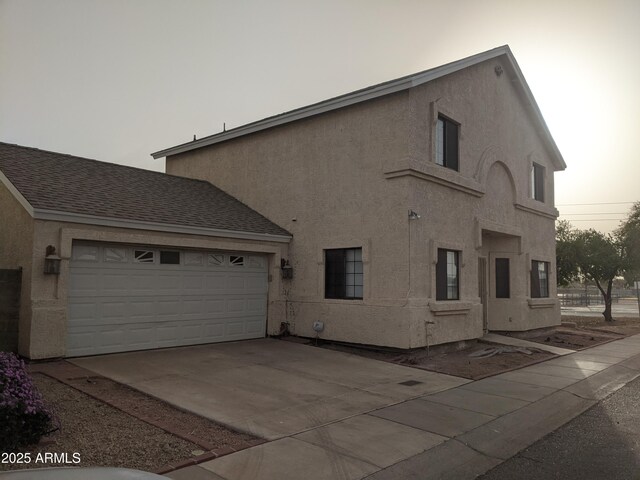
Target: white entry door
column 124, row 298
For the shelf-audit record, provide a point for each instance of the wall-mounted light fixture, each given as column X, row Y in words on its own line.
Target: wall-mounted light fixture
column 51, row 261
column 413, row 215
column 286, row 269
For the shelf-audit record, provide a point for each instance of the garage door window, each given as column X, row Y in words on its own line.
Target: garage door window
column 118, row 255
column 169, row 257
column 143, row 256
column 236, row 261
column 85, row 253
column 192, row 258
column 215, row 259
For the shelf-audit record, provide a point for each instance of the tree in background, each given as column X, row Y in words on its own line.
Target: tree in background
column 629, row 233
column 598, row 257
column 566, row 270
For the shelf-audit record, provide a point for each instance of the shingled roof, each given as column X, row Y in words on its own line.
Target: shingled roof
column 59, row 183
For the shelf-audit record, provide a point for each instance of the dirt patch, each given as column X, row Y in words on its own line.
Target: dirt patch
column 564, row 337
column 459, row 363
column 622, row 326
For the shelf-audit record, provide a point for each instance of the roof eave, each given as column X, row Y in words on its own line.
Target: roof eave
column 557, row 157
column 16, row 193
column 69, row 217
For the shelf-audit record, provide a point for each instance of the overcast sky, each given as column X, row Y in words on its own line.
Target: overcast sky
column 116, row 80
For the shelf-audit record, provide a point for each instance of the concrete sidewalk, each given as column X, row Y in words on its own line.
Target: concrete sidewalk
column 458, row 433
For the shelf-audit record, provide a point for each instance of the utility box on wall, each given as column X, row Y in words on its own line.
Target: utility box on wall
column 10, row 284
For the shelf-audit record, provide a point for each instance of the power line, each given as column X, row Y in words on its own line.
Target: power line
column 602, row 203
column 594, row 213
column 595, row 219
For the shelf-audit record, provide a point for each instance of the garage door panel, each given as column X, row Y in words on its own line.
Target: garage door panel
column 235, row 305
column 84, row 283
column 111, row 337
column 121, row 305
column 256, row 306
column 215, row 306
column 113, row 310
column 255, row 326
column 255, row 284
column 141, row 336
column 193, row 283
column 167, row 284
column 235, row 283
column 213, row 331
column 215, row 282
column 235, row 328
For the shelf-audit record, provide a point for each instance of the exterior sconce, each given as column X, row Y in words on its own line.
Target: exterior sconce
column 51, row 261
column 286, row 269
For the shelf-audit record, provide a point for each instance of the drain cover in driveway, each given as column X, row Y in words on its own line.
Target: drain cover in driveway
column 410, row 383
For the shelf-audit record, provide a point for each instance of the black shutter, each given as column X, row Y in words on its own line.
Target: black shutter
column 334, row 274
column 451, row 145
column 502, row 278
column 538, row 174
column 535, row 280
column 441, row 275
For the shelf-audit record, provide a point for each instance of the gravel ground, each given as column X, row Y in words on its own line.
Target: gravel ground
column 208, row 434
column 103, row 435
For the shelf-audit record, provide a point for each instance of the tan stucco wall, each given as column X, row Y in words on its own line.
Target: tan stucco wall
column 47, row 324
column 16, row 238
column 348, row 178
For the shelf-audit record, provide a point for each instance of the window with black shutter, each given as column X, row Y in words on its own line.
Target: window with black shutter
column 343, row 276
column 447, row 143
column 539, row 279
column 537, row 182
column 447, row 275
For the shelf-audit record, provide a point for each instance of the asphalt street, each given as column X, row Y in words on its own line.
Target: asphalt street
column 602, row 443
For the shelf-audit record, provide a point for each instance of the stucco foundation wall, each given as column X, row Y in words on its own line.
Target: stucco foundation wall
column 16, row 240
column 48, row 301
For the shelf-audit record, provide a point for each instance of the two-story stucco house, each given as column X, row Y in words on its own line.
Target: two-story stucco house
column 415, row 212
column 421, row 209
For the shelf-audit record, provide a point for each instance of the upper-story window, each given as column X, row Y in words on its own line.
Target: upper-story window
column 537, row 182
column 447, row 143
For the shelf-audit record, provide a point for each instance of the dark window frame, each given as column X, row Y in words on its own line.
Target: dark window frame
column 503, row 278
column 448, row 142
column 537, row 182
column 168, row 257
column 443, row 286
column 337, row 280
column 538, row 288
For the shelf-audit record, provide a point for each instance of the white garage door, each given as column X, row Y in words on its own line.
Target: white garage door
column 134, row 297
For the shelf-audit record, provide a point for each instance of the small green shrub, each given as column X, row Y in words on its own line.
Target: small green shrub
column 24, row 418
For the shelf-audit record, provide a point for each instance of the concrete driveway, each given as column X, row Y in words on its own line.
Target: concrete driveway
column 270, row 388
